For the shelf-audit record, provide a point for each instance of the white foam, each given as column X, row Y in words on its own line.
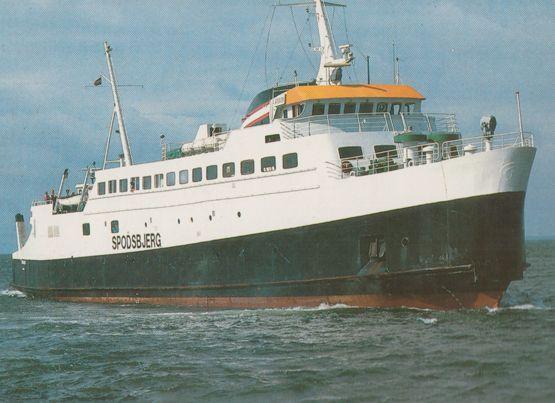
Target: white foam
column 428, row 321
column 12, row 293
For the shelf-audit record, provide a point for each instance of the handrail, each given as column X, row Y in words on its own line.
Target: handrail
column 423, row 154
column 369, row 122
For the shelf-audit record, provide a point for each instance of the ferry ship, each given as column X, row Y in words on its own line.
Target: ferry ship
column 327, row 193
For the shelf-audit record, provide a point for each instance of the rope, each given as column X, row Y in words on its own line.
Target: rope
column 250, row 67
column 266, row 50
column 349, row 42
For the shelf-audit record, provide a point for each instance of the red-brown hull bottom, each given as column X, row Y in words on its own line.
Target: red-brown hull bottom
column 444, row 301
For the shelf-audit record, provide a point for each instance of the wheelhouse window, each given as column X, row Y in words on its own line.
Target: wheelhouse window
column 318, row 109
column 334, row 108
column 211, row 172
column 158, row 180
column 197, row 174
column 297, row 110
column 350, row 152
column 228, row 169
column 123, row 185
column 271, row 138
column 395, row 109
column 183, row 176
column 382, row 107
column 135, row 184
column 290, row 160
column 112, row 186
column 147, row 182
column 350, row 107
column 366, row 107
column 86, row 229
column 170, row 179
column 114, row 226
column 101, row 188
column 409, row 108
column 268, row 164
column 247, row 167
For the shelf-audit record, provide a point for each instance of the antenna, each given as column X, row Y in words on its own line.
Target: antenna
column 368, row 69
column 396, row 78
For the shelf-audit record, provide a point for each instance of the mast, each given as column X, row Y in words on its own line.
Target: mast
column 329, row 72
column 117, row 109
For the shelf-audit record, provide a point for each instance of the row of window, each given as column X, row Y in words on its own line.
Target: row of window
column 247, row 167
column 335, row 108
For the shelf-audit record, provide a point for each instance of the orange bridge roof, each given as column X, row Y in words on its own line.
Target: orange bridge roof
column 315, row 92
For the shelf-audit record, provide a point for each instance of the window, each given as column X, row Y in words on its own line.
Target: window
column 101, row 188
column 297, row 110
column 334, row 108
column 147, row 182
column 247, row 167
column 114, row 225
column 382, row 107
column 318, row 109
column 112, row 186
column 170, row 179
column 197, row 174
column 285, row 113
column 395, row 109
column 409, row 108
column 158, row 180
column 350, row 152
column 183, row 176
column 135, row 184
column 86, row 229
column 271, row 138
column 123, row 185
column 268, row 164
column 350, row 107
column 290, row 161
column 384, row 150
column 366, row 107
column 228, row 169
column 211, row 172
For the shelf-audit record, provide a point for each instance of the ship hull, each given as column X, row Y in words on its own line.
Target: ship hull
column 453, row 254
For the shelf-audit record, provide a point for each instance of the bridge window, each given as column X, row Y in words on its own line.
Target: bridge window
column 388, row 150
column 297, row 110
column 183, row 176
column 318, row 109
column 247, row 167
column 366, row 107
column 86, row 229
column 212, row 172
column 382, row 107
column 268, row 164
column 395, row 109
column 334, row 108
column 228, row 169
column 350, row 152
column 114, row 226
column 147, row 182
column 101, row 188
column 197, row 174
column 135, row 184
column 409, row 108
column 158, row 180
column 123, row 185
column 170, row 178
column 112, row 186
column 271, row 138
column 350, row 107
column 290, row 161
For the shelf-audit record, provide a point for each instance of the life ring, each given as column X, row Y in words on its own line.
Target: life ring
column 346, row 167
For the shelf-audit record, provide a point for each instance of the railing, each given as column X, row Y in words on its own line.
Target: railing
column 369, row 122
column 424, row 154
column 472, row 145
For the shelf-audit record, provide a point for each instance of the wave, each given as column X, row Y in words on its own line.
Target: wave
column 12, row 293
column 428, row 321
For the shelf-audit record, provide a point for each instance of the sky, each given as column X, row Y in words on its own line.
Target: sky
column 204, row 61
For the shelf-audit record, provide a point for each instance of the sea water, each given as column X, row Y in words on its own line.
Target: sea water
column 53, row 350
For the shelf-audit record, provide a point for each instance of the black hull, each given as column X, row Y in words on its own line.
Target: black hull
column 461, row 253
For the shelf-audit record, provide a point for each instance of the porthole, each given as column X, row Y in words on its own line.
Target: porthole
column 239, row 214
column 178, row 221
column 404, row 242
column 145, row 224
column 210, row 217
column 191, row 219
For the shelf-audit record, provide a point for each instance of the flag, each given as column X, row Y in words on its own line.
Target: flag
column 98, row 81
